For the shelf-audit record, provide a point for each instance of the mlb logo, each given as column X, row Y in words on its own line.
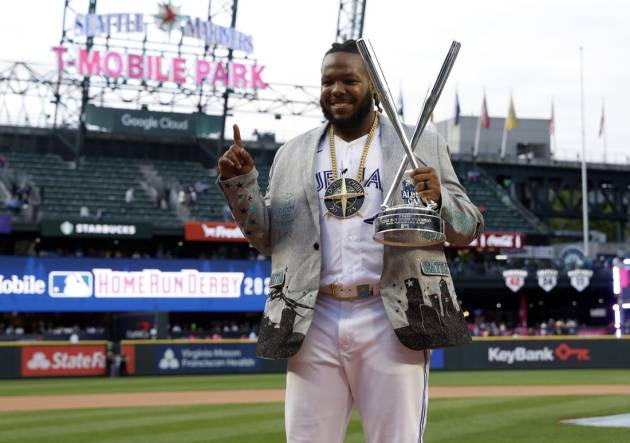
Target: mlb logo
column 70, row 284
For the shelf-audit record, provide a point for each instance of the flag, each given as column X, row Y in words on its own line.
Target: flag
column 401, row 105
column 552, row 121
column 458, row 110
column 485, row 118
column 601, row 122
column 511, row 122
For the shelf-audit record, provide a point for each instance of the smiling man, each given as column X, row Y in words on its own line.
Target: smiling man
column 356, row 319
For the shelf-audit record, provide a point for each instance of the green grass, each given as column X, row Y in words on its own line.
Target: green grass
column 469, row 420
column 487, row 420
column 276, row 381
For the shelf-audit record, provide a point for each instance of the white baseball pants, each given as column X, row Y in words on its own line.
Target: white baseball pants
column 351, row 356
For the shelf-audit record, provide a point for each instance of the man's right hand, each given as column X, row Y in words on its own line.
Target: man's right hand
column 236, row 160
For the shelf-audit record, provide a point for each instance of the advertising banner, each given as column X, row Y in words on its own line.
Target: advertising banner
column 153, row 123
column 95, row 229
column 64, row 360
column 42, row 284
column 214, row 232
column 495, row 239
column 5, row 224
column 206, row 359
column 540, row 354
column 172, row 357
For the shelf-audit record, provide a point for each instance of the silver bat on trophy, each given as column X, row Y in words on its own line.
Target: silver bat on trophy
column 408, row 224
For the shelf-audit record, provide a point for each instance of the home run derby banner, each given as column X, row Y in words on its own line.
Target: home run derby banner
column 32, row 284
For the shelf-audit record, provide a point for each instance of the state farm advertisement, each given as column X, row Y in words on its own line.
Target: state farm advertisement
column 214, row 232
column 63, row 361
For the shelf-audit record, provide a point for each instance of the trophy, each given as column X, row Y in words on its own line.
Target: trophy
column 408, row 224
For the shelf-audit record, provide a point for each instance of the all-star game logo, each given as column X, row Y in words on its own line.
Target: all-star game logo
column 408, row 193
column 344, row 197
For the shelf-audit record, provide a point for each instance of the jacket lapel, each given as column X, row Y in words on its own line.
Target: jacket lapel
column 392, row 153
column 311, row 141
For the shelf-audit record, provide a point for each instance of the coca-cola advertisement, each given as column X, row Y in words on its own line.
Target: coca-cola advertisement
column 495, row 240
column 214, row 231
column 63, row 361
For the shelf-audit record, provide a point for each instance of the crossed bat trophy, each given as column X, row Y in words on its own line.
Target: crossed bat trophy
column 409, row 224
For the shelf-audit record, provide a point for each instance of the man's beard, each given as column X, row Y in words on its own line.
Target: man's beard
column 366, row 105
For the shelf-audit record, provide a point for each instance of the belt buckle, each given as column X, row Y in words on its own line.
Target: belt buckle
column 363, row 291
column 332, row 289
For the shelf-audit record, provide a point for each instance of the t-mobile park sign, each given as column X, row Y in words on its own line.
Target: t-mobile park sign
column 127, row 64
column 115, row 64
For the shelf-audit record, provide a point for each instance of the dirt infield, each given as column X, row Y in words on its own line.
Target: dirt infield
column 47, row 402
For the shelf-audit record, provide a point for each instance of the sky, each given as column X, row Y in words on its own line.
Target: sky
column 529, row 49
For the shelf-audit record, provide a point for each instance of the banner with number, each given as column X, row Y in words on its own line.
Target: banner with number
column 33, row 284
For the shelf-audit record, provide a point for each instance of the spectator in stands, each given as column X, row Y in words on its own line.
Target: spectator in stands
column 3, row 162
column 162, row 198
column 181, row 197
column 227, row 213
column 129, row 195
column 13, row 204
column 84, row 211
column 473, row 175
column 200, row 187
column 192, row 195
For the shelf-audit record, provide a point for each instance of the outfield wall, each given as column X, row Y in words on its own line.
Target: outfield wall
column 179, row 357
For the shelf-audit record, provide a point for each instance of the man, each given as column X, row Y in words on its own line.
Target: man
column 356, row 319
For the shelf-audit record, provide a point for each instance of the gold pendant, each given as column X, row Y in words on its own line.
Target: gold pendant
column 344, row 197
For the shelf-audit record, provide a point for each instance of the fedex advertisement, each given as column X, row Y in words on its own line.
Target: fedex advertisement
column 32, row 284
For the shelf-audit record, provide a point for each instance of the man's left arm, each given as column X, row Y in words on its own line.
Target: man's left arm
column 463, row 220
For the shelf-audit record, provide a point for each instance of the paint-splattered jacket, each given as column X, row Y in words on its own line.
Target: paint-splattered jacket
column 416, row 286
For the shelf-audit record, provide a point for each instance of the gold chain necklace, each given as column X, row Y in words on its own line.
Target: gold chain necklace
column 345, row 196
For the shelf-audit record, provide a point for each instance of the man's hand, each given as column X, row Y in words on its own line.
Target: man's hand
column 427, row 184
column 236, row 160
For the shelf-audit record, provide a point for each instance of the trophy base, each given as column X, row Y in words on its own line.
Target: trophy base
column 409, row 226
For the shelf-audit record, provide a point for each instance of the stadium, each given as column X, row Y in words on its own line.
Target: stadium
column 130, row 300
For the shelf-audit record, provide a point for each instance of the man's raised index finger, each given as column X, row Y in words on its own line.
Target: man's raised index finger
column 237, row 135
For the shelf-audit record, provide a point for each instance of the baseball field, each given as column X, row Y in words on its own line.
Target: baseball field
column 465, row 407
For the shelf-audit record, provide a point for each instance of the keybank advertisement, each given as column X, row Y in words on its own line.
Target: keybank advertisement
column 540, row 354
column 30, row 284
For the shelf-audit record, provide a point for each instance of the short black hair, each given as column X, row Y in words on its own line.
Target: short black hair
column 349, row 46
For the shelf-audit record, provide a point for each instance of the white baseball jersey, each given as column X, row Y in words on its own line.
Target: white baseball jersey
column 350, row 256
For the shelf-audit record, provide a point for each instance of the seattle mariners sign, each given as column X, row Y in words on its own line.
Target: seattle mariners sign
column 150, row 62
